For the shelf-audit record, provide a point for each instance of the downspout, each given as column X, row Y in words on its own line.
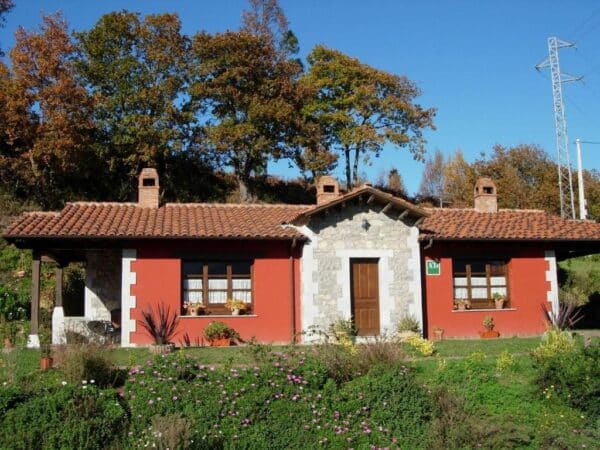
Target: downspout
column 293, row 291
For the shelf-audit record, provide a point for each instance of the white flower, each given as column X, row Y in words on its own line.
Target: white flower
column 64, row 383
column 92, row 381
column 83, row 382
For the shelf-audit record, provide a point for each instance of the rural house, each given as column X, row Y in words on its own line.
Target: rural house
column 363, row 254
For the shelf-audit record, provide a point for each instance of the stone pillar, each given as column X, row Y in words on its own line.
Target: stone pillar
column 58, row 315
column 33, row 340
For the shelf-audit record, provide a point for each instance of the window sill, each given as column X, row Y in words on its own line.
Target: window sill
column 210, row 316
column 483, row 310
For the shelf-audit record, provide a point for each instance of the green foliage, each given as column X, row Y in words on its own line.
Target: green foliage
column 409, row 323
column 12, row 305
column 574, row 375
column 219, row 330
column 422, row 346
column 504, row 362
column 360, row 108
column 71, row 416
column 554, row 342
column 78, row 362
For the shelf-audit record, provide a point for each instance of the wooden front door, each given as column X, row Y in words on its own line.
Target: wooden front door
column 364, row 279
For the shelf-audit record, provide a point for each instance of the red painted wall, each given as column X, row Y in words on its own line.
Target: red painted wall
column 158, row 279
column 526, row 283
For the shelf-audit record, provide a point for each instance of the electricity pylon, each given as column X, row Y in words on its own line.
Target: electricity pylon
column 563, row 160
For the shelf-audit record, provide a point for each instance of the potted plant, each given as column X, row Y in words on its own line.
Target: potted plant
column 235, row 306
column 218, row 334
column 194, row 309
column 161, row 326
column 462, row 304
column 488, row 324
column 499, row 300
column 45, row 357
column 438, row 333
column 7, row 334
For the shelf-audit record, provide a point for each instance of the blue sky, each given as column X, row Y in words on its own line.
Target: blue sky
column 473, row 60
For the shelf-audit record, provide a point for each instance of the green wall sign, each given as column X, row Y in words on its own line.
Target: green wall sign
column 433, row 267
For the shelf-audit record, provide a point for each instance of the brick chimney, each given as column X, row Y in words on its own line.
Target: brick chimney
column 486, row 198
column 327, row 189
column 148, row 188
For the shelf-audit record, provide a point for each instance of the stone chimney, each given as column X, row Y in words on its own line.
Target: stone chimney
column 327, row 189
column 148, row 188
column 486, row 198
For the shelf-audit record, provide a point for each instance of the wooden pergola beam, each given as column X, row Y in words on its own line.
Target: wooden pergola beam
column 403, row 214
column 387, row 207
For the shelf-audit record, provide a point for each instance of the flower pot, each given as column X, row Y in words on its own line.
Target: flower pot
column 489, row 334
column 224, row 342
column 462, row 306
column 45, row 363
column 499, row 304
column 7, row 343
column 438, row 335
column 235, row 312
column 163, row 349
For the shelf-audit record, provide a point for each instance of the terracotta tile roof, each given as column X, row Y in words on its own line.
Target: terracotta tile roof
column 367, row 191
column 508, row 224
column 173, row 220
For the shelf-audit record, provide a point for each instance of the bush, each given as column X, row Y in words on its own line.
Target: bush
column 409, row 323
column 574, row 376
column 422, row 346
column 79, row 362
column 65, row 417
column 554, row 342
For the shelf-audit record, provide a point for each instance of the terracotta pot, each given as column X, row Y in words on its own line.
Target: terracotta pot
column 225, row 342
column 45, row 363
column 161, row 349
column 462, row 306
column 438, row 335
column 489, row 334
column 7, row 343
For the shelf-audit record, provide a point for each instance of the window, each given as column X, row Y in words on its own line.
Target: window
column 213, row 282
column 478, row 281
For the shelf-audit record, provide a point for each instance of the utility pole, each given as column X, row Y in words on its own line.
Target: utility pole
column 582, row 205
column 563, row 160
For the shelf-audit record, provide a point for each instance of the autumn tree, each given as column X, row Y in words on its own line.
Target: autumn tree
column 433, row 180
column 362, row 108
column 247, row 99
column 136, row 69
column 459, row 181
column 47, row 116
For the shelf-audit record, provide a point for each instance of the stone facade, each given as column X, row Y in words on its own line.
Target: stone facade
column 102, row 284
column 359, row 231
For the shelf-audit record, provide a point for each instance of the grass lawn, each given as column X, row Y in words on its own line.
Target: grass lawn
column 461, row 348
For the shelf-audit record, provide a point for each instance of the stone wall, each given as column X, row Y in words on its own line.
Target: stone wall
column 359, row 231
column 102, row 284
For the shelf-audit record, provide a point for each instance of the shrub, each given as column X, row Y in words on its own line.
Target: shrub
column 64, row 417
column 554, row 341
column 162, row 327
column 504, row 362
column 80, row 362
column 409, row 323
column 379, row 351
column 422, row 346
column 574, row 376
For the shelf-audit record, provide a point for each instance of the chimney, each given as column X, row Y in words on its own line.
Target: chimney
column 327, row 189
column 486, row 198
column 148, row 188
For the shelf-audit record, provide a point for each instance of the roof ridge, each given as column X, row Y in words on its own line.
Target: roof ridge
column 103, row 203
column 245, row 205
column 41, row 213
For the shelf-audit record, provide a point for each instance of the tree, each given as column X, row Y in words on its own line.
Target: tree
column 248, row 100
column 459, row 181
column 391, row 181
column 136, row 68
column 48, row 115
column 362, row 108
column 5, row 6
column 433, row 180
column 266, row 18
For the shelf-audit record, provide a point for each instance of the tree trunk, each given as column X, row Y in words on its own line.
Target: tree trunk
column 348, row 169
column 355, row 174
column 245, row 196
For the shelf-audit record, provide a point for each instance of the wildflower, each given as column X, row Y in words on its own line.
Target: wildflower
column 175, row 398
column 64, row 383
column 150, row 402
